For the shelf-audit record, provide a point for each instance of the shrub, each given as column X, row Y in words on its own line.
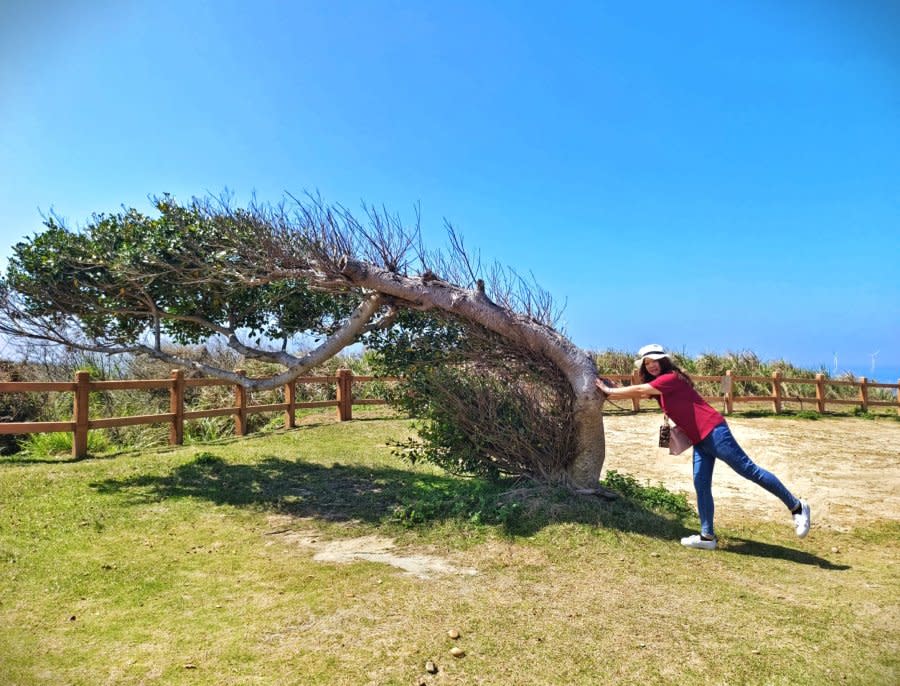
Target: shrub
column 614, row 362
column 654, row 497
column 484, row 408
column 17, row 407
column 46, row 446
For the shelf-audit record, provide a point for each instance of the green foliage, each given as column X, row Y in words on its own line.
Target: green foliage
column 657, row 498
column 207, row 459
column 442, row 439
column 116, row 274
column 17, row 407
column 484, row 409
column 47, row 446
column 526, row 509
column 207, row 429
column 421, row 347
column 479, row 503
column 418, row 340
column 614, row 361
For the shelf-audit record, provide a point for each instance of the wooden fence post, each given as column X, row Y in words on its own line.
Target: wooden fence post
column 864, row 393
column 898, row 397
column 240, row 402
column 728, row 391
column 290, row 397
column 820, row 393
column 776, row 392
column 635, row 380
column 345, row 394
column 176, row 407
column 80, row 414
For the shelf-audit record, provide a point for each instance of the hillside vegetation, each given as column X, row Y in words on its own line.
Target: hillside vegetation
column 46, row 365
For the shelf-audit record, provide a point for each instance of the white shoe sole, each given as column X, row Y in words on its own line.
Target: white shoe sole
column 698, row 543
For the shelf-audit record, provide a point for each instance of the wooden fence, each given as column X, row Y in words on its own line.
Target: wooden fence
column 82, row 387
column 818, row 385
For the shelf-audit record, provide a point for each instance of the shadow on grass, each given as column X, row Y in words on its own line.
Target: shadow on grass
column 742, row 546
column 387, row 496
column 25, row 459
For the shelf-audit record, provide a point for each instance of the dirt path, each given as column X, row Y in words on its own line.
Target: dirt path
column 366, row 548
column 848, row 468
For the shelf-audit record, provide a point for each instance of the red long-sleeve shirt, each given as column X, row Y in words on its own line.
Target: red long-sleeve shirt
column 685, row 407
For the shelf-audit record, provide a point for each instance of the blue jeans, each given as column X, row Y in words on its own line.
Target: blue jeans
column 719, row 443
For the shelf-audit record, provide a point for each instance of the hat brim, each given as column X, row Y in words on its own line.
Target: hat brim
column 649, row 356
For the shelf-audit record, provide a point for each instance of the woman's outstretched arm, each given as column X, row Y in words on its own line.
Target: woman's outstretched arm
column 643, row 390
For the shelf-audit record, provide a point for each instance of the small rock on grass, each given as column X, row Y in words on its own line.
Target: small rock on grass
column 453, row 633
column 457, row 652
column 430, row 667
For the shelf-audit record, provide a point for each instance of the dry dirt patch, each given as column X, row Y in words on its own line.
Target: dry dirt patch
column 369, row 549
column 849, row 469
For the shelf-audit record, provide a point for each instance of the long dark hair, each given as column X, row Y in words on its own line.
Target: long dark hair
column 665, row 366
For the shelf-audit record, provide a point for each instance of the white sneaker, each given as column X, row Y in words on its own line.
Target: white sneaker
column 802, row 519
column 696, row 541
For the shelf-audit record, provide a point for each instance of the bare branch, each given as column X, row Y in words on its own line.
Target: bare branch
column 461, row 255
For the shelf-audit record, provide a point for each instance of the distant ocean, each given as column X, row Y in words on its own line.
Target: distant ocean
column 882, row 373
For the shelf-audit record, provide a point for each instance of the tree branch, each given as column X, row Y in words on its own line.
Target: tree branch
column 469, row 306
column 340, row 339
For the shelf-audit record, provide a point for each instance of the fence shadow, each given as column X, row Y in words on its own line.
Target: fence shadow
column 380, row 495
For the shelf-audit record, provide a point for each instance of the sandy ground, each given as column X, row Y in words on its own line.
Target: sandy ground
column 848, row 469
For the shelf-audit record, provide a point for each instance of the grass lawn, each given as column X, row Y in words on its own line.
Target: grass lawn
column 315, row 556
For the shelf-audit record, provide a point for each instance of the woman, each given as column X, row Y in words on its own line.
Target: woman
column 710, row 436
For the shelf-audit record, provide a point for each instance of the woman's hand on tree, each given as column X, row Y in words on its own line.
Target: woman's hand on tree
column 605, row 386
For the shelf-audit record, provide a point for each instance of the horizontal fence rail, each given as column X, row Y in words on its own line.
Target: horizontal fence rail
column 818, row 385
column 82, row 387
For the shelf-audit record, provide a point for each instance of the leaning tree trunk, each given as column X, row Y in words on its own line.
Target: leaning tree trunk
column 424, row 293
column 584, row 472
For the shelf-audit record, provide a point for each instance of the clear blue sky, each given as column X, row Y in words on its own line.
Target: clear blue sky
column 712, row 176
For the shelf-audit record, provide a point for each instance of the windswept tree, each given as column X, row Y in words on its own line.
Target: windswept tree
column 502, row 389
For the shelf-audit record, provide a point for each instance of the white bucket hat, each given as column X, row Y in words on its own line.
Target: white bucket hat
column 654, row 351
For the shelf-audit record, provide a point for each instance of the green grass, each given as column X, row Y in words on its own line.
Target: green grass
column 186, row 567
column 51, row 446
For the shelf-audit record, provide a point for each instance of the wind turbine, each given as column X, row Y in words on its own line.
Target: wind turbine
column 873, row 356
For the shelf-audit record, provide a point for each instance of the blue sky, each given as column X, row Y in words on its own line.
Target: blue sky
column 711, row 176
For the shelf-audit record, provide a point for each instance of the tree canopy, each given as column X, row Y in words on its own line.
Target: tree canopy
column 128, row 282
column 294, row 284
